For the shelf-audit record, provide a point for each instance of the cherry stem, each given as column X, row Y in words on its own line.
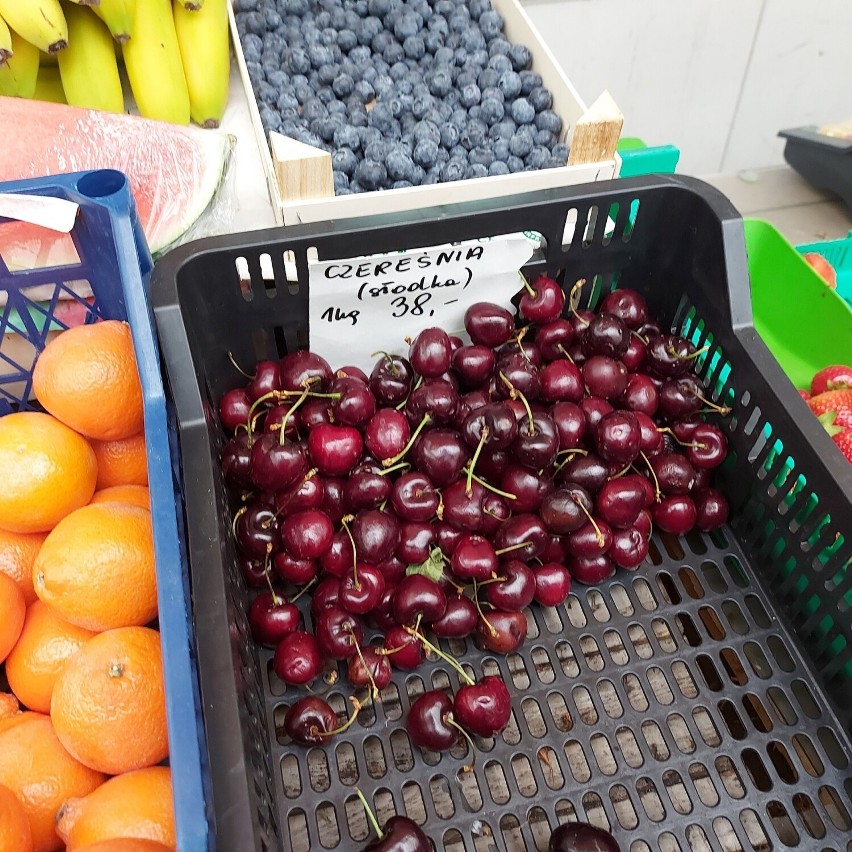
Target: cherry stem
column 491, row 628
column 375, row 689
column 449, row 720
column 389, row 358
column 636, row 334
column 512, row 547
column 239, row 368
column 275, row 599
column 291, row 411
column 527, row 285
column 293, row 491
column 344, row 521
column 564, row 351
column 570, row 457
column 239, row 513
column 441, row 654
column 574, row 296
column 405, row 401
column 658, row 496
column 347, row 724
column 721, row 409
column 303, row 590
column 592, row 521
column 670, row 432
column 489, row 486
column 514, row 393
column 674, row 354
column 395, row 467
column 420, row 427
column 370, row 815
column 482, row 440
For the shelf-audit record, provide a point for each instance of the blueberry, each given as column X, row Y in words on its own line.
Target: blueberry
column 529, row 80
column 308, row 138
column 465, row 78
column 328, row 74
column 431, row 178
column 381, row 41
column 400, row 166
column 269, row 118
column 320, row 56
column 343, row 85
column 326, row 95
column 379, row 8
column 384, row 86
column 443, row 57
column 475, row 111
column 360, row 55
column 414, row 47
column 245, row 6
column 426, row 153
column 500, row 149
column 407, row 24
column 441, row 82
column 491, row 111
column 460, row 56
column 474, row 135
column 515, row 164
column 338, row 18
column 459, row 23
column 329, row 36
column 479, row 8
column 369, row 135
column 520, row 56
column 540, row 98
column 488, row 78
column 347, row 137
column 265, row 92
column 545, row 138
column 361, row 8
column 478, row 59
column 560, row 152
column 286, row 100
column 256, row 73
column 398, row 71
column 453, row 170
column 341, row 181
column 472, row 40
column 323, row 19
column 253, row 42
column 521, row 144
column 470, row 95
column 376, row 151
column 370, row 174
column 451, row 99
column 426, row 130
column 481, row 155
column 364, row 91
column 450, row 136
column 538, row 157
column 549, row 120
column 422, row 106
column 443, row 111
column 523, row 112
column 459, row 118
column 401, row 184
column 298, row 61
column 510, row 85
column 433, row 42
column 444, row 7
column 500, row 63
column 475, row 170
column 491, row 24
column 254, row 22
column 498, row 46
column 498, row 167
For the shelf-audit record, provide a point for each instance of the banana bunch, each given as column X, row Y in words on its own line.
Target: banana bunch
column 175, row 54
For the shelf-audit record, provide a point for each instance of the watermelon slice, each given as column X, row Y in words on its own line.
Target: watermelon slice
column 174, row 171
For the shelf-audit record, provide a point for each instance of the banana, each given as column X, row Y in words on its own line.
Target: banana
column 191, row 5
column 204, row 49
column 5, row 42
column 18, row 76
column 88, row 66
column 49, row 86
column 40, row 22
column 118, row 16
column 152, row 60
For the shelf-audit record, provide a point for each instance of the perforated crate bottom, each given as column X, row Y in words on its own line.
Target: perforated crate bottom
column 669, row 706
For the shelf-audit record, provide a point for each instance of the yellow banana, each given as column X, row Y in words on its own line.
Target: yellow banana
column 5, row 42
column 152, row 60
column 118, row 16
column 40, row 22
column 49, row 86
column 191, row 5
column 18, row 76
column 204, row 49
column 88, row 66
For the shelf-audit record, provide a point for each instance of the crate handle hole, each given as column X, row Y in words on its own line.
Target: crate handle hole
column 102, row 183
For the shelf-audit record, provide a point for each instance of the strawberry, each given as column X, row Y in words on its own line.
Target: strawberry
column 833, row 400
column 836, row 377
column 804, row 395
column 844, row 441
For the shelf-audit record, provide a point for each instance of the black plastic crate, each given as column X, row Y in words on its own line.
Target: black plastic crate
column 700, row 703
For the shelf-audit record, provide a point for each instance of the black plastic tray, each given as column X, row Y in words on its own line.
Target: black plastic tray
column 701, row 703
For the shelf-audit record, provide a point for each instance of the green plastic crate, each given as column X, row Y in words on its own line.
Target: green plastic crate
column 637, row 158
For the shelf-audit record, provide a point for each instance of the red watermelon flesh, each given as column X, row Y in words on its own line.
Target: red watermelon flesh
column 174, row 171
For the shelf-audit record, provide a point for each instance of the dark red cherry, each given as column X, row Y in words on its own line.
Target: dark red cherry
column 606, row 334
column 430, row 353
column 304, row 495
column 526, row 529
column 474, row 365
column 267, row 380
column 501, row 631
column 628, row 305
column 552, row 583
column 468, row 403
column 561, row 380
column 669, row 355
column 356, row 403
column 276, row 466
column 255, row 571
column 683, row 429
column 617, row 437
column 650, row 438
column 310, row 720
column 592, row 570
column 650, row 330
column 387, row 433
column 536, row 443
column 634, row 357
column 435, row 397
column 405, row 652
column 581, row 837
column 335, row 450
column 391, row 380
column 590, row 540
column 338, row 632
column 495, row 510
column 708, row 446
column 629, row 548
column 441, row 454
column 326, row 595
column 297, row 659
column 525, row 348
column 376, row 535
column 393, row 570
column 416, row 540
column 594, row 408
column 563, row 510
column 556, row 550
column 545, row 303
column 462, row 509
column 679, row 397
column 459, row 618
column 307, row 535
column 234, row 407
column 381, row 618
column 675, row 514
column 257, row 531
column 711, row 509
column 604, row 376
column 579, row 321
column 528, row 487
column 500, row 421
column 271, row 618
column 516, row 372
column 352, row 372
column 552, row 335
column 236, row 463
column 415, row 596
column 368, row 668
column 314, row 412
column 473, row 558
column 674, row 473
column 426, row 722
column 570, row 423
column 589, row 471
column 483, row 708
column 492, row 463
column 414, row 497
column 517, row 588
column 365, row 490
column 400, row 834
column 303, row 369
column 447, row 537
column 296, row 571
column 644, row 524
column 361, row 594
column 488, row 324
column 640, row 395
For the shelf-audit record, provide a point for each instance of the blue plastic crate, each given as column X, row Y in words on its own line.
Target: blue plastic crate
column 115, row 261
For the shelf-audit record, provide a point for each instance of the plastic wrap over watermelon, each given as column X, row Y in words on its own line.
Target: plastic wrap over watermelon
column 177, row 174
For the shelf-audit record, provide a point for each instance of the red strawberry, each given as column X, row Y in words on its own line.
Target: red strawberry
column 833, row 400
column 836, row 377
column 804, row 395
column 844, row 441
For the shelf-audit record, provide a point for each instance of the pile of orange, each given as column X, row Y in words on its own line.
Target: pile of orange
column 83, row 730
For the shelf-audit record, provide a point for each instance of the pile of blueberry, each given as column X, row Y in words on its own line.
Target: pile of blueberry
column 401, row 92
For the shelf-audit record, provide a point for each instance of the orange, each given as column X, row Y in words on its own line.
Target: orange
column 121, row 462
column 15, row 834
column 9, row 722
column 12, row 611
column 109, row 702
column 87, row 378
column 124, row 844
column 46, row 643
column 48, row 471
column 96, row 568
column 9, row 705
column 17, row 554
column 136, row 495
column 41, row 773
column 136, row 804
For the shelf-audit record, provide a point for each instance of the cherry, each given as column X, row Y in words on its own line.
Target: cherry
column 526, row 349
column 381, row 618
column 309, row 719
column 301, row 369
column 441, row 454
column 255, row 572
column 430, row 352
column 526, row 529
column 369, row 668
column 529, row 487
column 592, row 539
column 488, row 324
column 492, row 463
column 634, row 357
column 607, row 335
column 675, row 514
column 234, row 408
column 620, row 500
column 314, row 412
column 594, row 409
column 426, row 721
column 517, row 375
column 604, row 376
column 414, row 498
column 360, row 593
column 352, row 372
column 579, row 321
column 553, row 335
column 326, row 595
column 447, row 537
column 588, row 471
column 474, row 365
column 393, row 570
column 391, row 380
column 495, row 510
column 463, row 510
column 236, row 463
column 629, row 548
column 711, row 509
column 581, row 836
column 517, row 588
column 340, row 556
column 459, row 618
column 673, row 472
column 650, row 438
column 356, row 403
column 337, row 632
column 387, row 433
column 468, row 403
column 298, row 660
column 617, row 437
column 376, row 535
column 267, row 379
column 502, row 632
column 332, row 499
column 435, row 397
column 626, row 304
column 592, row 570
column 566, row 509
column 498, row 418
column 473, row 558
column 307, row 535
column 483, row 708
column 561, row 380
column 271, row 618
column 552, row 584
column 536, row 443
column 404, row 650
column 570, row 423
column 680, row 398
column 276, row 466
column 257, row 530
column 640, row 395
column 418, row 596
column 416, row 540
column 400, row 834
column 296, row 571
column 365, row 490
column 649, row 330
column 335, row 450
column 669, row 355
column 542, row 301
column 708, row 446
column 556, row 550
column 307, row 494
column 644, row 524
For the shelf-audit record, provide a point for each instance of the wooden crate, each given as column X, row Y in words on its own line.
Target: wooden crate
column 299, row 176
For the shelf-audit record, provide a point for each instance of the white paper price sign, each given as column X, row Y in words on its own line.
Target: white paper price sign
column 368, row 304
